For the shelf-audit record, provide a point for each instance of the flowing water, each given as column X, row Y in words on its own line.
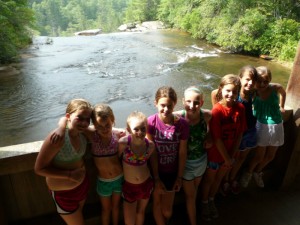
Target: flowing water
column 123, row 70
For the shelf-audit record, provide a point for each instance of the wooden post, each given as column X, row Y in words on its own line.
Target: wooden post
column 293, row 102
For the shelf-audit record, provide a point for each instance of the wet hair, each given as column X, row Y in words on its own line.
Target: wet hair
column 166, row 92
column 136, row 115
column 193, row 89
column 264, row 71
column 228, row 79
column 77, row 104
column 102, row 111
column 250, row 70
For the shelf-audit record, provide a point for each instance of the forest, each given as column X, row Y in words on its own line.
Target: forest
column 253, row 27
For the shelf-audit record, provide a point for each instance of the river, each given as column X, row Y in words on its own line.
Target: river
column 121, row 69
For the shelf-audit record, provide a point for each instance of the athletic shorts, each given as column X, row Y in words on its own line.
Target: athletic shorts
column 133, row 192
column 195, row 168
column 270, row 134
column 168, row 179
column 105, row 187
column 249, row 139
column 67, row 202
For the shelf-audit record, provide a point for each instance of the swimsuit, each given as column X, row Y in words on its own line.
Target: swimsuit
column 133, row 192
column 67, row 153
column 100, row 150
column 133, row 159
column 67, row 201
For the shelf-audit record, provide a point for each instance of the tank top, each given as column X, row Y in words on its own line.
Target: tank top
column 267, row 111
column 131, row 158
column 100, row 150
column 251, row 119
column 196, row 139
column 67, row 153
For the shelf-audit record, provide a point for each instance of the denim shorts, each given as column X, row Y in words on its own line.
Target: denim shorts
column 249, row 139
column 195, row 168
column 214, row 165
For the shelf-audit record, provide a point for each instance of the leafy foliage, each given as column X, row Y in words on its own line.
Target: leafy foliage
column 248, row 26
column 16, row 19
column 65, row 17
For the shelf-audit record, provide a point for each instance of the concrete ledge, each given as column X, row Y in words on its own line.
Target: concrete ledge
column 18, row 158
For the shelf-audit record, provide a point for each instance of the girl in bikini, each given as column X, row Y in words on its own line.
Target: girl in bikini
column 63, row 166
column 136, row 149
column 104, row 140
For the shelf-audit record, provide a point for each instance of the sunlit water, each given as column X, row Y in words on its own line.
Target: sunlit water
column 121, row 69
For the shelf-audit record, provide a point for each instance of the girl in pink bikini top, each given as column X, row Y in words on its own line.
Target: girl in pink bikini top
column 134, row 159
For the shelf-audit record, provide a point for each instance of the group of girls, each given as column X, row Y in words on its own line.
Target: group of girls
column 158, row 155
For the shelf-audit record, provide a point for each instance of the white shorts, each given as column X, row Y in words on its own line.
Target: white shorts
column 269, row 134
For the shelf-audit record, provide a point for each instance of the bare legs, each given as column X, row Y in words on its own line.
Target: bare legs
column 110, row 206
column 263, row 156
column 190, row 189
column 134, row 213
column 75, row 218
column 162, row 206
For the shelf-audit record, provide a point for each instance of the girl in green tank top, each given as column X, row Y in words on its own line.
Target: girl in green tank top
column 196, row 162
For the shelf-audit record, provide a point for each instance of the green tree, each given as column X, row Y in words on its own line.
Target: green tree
column 16, row 21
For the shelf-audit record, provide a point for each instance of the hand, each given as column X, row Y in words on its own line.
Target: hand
column 122, row 133
column 159, row 186
column 57, row 136
column 77, row 175
column 227, row 164
column 207, row 144
column 177, row 184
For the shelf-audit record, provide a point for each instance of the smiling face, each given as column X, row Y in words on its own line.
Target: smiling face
column 262, row 82
column 104, row 126
column 192, row 102
column 229, row 94
column 80, row 119
column 137, row 127
column 247, row 83
column 165, row 108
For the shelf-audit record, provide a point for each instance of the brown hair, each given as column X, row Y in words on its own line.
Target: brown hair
column 103, row 111
column 250, row 70
column 227, row 79
column 166, row 92
column 264, row 71
column 77, row 104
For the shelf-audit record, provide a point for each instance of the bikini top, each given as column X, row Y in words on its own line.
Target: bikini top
column 133, row 159
column 101, row 150
column 67, row 153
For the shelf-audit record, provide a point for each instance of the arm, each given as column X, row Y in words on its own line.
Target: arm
column 122, row 145
column 214, row 97
column 59, row 133
column 182, row 155
column 208, row 142
column 119, row 132
column 154, row 168
column 43, row 165
column 222, row 150
column 282, row 96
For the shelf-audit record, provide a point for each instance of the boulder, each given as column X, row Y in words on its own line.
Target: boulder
column 88, row 32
